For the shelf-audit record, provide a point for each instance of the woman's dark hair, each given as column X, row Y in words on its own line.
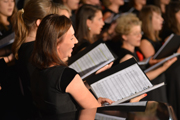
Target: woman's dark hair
column 49, row 34
column 158, row 4
column 132, row 3
column 84, row 13
column 170, row 17
column 58, row 1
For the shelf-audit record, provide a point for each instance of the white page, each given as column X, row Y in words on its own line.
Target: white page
column 139, row 93
column 121, row 84
column 99, row 54
column 100, row 116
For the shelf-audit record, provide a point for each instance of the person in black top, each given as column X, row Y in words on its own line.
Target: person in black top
column 162, row 5
column 56, row 88
column 151, row 25
column 73, row 6
column 172, row 20
column 110, row 13
column 136, row 6
column 88, row 25
column 129, row 29
column 26, row 28
column 172, row 26
column 25, row 34
column 172, row 74
column 7, row 18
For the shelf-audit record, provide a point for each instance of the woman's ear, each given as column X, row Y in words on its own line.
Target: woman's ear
column 57, row 48
column 88, row 23
column 124, row 37
column 38, row 21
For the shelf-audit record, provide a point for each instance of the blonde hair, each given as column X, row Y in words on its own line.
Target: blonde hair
column 61, row 7
column 125, row 22
column 145, row 16
column 26, row 21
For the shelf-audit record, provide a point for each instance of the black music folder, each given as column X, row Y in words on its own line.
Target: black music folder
column 161, row 62
column 169, row 47
column 7, row 40
column 121, row 83
column 135, row 106
column 91, row 59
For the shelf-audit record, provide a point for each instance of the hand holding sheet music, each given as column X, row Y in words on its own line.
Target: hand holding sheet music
column 105, row 68
column 163, row 62
column 138, row 98
column 121, row 83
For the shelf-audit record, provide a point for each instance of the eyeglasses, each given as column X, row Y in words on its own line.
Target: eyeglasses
column 137, row 33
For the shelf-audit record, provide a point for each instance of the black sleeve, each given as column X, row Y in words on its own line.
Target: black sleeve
column 3, row 69
column 3, row 63
column 67, row 77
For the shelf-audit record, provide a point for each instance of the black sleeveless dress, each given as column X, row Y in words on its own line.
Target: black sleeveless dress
column 4, row 73
column 156, row 44
column 173, row 85
column 48, row 90
column 123, row 52
column 134, row 11
column 160, row 93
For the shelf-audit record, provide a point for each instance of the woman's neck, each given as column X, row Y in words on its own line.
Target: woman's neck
column 138, row 7
column 163, row 8
column 70, row 11
column 31, row 36
column 114, row 8
column 128, row 47
column 91, row 39
column 155, row 35
column 4, row 20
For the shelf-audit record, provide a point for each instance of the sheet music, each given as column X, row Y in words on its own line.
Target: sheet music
column 139, row 93
column 122, row 84
column 100, row 116
column 95, row 57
